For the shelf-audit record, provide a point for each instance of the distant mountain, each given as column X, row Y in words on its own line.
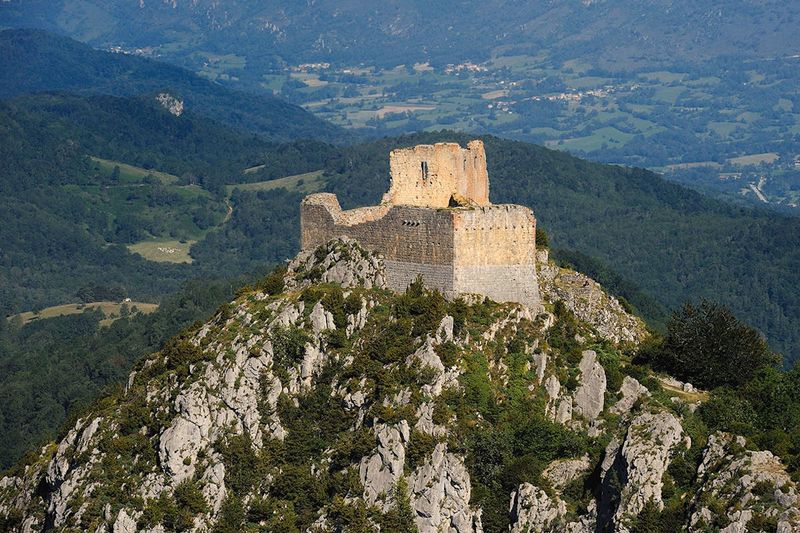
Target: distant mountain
column 608, row 34
column 35, row 61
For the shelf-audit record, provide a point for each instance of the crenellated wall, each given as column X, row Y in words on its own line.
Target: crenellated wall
column 495, row 250
column 488, row 250
column 474, row 248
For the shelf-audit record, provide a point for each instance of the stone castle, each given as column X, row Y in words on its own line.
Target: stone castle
column 436, row 221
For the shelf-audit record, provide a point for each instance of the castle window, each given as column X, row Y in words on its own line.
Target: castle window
column 424, row 166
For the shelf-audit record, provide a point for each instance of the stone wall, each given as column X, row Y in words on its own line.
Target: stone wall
column 404, row 233
column 495, row 250
column 439, row 175
column 436, row 221
column 488, row 250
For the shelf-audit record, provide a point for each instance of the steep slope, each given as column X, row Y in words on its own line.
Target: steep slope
column 674, row 243
column 35, row 61
column 319, row 401
column 609, row 34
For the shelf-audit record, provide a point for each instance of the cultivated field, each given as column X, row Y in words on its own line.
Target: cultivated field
column 305, row 183
column 164, row 251
column 110, row 309
column 130, row 173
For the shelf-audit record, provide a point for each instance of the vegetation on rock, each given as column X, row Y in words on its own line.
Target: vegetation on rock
column 331, row 406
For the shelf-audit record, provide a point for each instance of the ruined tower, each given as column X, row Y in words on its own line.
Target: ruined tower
column 436, row 221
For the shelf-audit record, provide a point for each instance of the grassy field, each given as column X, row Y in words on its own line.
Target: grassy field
column 130, row 173
column 220, row 66
column 164, row 251
column 306, row 183
column 754, row 159
column 110, row 309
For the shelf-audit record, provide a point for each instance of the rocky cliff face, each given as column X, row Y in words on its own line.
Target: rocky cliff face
column 332, row 404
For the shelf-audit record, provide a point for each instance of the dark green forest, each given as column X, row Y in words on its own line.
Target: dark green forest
column 34, row 61
column 66, row 220
column 52, row 368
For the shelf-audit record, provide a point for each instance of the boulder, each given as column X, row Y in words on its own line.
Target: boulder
column 630, row 391
column 440, row 492
column 532, row 509
column 589, row 396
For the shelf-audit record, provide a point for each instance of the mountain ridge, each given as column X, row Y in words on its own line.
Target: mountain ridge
column 313, row 401
column 33, row 61
column 269, row 34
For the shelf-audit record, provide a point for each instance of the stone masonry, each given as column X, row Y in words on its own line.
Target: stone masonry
column 436, row 221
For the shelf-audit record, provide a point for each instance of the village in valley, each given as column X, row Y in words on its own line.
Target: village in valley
column 680, row 122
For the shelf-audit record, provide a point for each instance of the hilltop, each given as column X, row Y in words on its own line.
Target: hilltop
column 317, row 400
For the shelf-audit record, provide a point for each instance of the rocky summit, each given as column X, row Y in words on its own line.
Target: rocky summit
column 319, row 400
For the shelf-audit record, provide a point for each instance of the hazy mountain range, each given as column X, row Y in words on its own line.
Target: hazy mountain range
column 614, row 34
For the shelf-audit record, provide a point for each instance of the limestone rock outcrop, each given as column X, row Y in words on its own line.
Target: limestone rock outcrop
column 740, row 488
column 380, row 472
column 589, row 397
column 562, row 472
column 638, row 466
column 440, row 495
column 533, row 510
column 334, row 407
column 587, row 299
column 341, row 261
column 171, row 103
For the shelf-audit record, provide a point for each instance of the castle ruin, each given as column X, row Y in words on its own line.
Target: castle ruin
column 436, row 221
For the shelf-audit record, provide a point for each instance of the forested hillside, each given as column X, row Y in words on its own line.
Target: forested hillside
column 268, row 33
column 673, row 243
column 52, row 368
column 35, row 61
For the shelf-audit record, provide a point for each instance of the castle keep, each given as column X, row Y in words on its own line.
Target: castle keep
column 436, row 221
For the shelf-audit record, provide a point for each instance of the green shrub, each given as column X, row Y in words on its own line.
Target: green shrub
column 727, row 410
column 542, row 240
column 400, row 518
column 425, row 307
column 231, row 516
column 133, row 415
column 561, row 335
column 708, row 346
column 242, row 465
column 648, row 520
column 166, row 511
column 188, row 496
column 180, row 353
column 289, row 345
column 447, row 352
column 420, row 447
column 274, row 283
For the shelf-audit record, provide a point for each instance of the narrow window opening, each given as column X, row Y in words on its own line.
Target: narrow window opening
column 424, row 166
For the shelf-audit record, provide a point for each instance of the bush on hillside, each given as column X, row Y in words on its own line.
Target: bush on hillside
column 708, row 346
